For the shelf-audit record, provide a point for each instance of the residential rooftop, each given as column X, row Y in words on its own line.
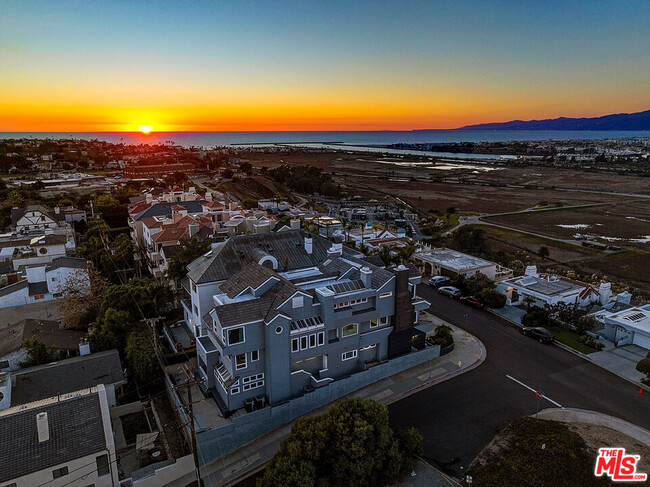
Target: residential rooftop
column 76, row 430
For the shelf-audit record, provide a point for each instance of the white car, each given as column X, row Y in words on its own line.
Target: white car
column 451, row 291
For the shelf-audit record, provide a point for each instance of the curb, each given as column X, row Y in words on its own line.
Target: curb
column 575, row 352
column 481, row 358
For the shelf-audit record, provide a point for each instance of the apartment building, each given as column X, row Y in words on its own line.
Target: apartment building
column 276, row 331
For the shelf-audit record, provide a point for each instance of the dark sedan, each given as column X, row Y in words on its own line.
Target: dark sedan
column 539, row 333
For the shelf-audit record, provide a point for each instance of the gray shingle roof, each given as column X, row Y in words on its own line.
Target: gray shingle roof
column 66, row 376
column 163, row 209
column 76, row 430
column 17, row 213
column 38, row 288
column 262, row 308
column 12, row 288
column 234, row 254
column 253, row 275
column 74, row 262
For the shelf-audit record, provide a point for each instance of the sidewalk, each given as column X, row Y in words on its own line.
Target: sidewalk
column 468, row 353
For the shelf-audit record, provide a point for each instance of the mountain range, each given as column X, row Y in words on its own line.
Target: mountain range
column 619, row 121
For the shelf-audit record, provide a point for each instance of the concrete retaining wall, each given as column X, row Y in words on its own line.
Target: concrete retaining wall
column 592, row 417
column 215, row 443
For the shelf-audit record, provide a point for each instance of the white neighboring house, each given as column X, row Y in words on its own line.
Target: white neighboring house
column 450, row 263
column 624, row 324
column 41, row 250
column 551, row 289
column 62, row 440
column 44, row 282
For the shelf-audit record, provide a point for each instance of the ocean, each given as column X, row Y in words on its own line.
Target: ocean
column 315, row 139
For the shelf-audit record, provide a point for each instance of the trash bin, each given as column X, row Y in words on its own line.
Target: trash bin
column 249, row 404
column 260, row 401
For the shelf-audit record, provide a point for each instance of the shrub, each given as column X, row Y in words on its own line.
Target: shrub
column 493, row 298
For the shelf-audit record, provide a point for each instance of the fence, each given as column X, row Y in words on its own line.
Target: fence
column 217, row 442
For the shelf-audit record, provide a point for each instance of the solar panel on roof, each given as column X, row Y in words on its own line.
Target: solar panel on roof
column 635, row 317
column 346, row 287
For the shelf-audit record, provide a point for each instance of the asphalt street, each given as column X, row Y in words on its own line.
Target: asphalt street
column 459, row 417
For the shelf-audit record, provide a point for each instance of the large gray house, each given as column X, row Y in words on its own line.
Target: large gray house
column 277, row 315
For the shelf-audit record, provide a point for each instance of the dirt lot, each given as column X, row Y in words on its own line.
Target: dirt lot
column 626, row 224
column 625, row 270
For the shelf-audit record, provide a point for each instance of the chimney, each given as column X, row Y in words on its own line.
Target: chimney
column 366, row 276
column 193, row 229
column 605, row 291
column 148, row 198
column 43, row 427
column 84, row 347
column 57, row 210
column 5, row 390
column 208, row 196
column 531, row 270
column 294, row 224
column 624, row 297
column 309, row 245
column 404, row 311
column 335, row 250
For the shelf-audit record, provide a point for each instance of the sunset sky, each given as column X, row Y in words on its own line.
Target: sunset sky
column 323, row 65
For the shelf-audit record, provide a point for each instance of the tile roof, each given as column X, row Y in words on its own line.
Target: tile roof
column 66, row 376
column 232, row 255
column 76, row 430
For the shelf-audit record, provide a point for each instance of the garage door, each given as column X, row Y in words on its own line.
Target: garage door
column 641, row 340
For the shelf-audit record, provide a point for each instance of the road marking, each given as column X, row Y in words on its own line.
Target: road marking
column 533, row 390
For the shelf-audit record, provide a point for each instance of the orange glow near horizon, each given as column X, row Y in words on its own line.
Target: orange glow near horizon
column 145, row 129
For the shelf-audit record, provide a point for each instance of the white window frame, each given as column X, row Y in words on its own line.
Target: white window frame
column 238, row 366
column 295, row 345
column 312, row 340
column 321, row 338
column 374, row 323
column 356, row 330
column 256, row 352
column 303, row 339
column 297, row 302
column 384, row 320
column 349, row 355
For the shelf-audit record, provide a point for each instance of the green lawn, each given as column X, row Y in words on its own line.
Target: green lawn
column 570, row 339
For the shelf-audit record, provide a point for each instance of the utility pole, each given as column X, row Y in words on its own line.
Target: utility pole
column 189, row 383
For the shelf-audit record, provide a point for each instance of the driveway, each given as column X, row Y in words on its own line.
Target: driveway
column 622, row 360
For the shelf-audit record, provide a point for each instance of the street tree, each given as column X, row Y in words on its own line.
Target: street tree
column 350, row 445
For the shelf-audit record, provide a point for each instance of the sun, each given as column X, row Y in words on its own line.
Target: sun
column 145, row 129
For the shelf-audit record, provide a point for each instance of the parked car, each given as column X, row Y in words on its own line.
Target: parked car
column 539, row 333
column 438, row 281
column 471, row 301
column 451, row 291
